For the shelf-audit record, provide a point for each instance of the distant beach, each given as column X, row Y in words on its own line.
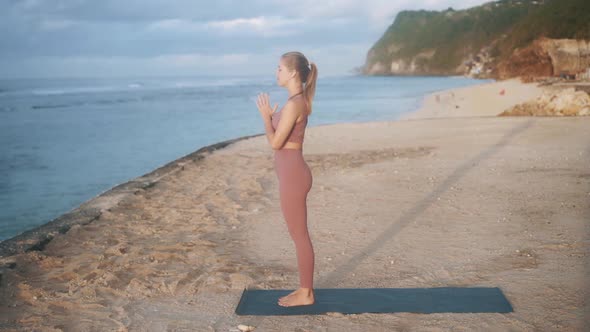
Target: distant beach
column 450, row 195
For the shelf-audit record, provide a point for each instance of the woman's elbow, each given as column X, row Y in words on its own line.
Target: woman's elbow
column 275, row 146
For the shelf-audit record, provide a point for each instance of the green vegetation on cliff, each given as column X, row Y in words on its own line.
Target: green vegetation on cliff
column 439, row 42
column 556, row 19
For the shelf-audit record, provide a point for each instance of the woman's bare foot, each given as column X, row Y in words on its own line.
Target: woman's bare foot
column 284, row 297
column 302, row 296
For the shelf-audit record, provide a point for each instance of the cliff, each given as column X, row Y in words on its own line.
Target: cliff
column 503, row 39
column 546, row 57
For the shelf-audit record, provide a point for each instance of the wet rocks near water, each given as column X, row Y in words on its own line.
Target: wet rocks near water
column 566, row 102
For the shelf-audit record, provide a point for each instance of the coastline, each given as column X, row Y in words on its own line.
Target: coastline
column 473, row 205
column 89, row 211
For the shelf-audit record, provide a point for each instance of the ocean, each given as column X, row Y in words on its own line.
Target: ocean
column 65, row 141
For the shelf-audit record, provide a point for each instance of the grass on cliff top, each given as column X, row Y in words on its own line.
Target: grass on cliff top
column 557, row 19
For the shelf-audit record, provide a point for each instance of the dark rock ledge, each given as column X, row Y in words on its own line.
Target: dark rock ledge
column 89, row 211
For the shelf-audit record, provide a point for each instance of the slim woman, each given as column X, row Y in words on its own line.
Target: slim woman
column 285, row 131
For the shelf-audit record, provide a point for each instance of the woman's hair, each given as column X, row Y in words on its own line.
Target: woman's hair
column 308, row 73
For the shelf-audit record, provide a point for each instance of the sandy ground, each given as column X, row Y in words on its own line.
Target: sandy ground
column 466, row 201
column 488, row 99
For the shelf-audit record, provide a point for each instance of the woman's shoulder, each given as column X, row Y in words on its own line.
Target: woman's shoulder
column 297, row 105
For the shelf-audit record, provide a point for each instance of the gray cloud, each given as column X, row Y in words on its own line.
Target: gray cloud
column 134, row 37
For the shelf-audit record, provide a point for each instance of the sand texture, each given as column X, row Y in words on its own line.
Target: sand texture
column 488, row 99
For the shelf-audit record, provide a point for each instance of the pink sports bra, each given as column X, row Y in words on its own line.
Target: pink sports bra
column 297, row 133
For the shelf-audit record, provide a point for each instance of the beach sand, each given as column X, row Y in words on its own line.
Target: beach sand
column 488, row 99
column 462, row 201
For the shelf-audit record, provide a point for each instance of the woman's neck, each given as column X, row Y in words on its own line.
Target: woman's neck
column 294, row 89
column 295, row 95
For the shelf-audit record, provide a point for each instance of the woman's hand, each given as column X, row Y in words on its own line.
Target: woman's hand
column 263, row 104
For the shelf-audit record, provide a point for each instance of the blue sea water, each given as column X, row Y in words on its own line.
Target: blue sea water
column 64, row 141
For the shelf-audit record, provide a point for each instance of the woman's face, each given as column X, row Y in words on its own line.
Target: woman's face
column 283, row 74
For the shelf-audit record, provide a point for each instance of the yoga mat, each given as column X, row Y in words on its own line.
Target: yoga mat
column 379, row 300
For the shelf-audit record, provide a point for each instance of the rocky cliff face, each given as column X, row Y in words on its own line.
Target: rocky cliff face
column 416, row 65
column 547, row 57
column 542, row 58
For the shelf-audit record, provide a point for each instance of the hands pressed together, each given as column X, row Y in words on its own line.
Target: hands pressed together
column 264, row 108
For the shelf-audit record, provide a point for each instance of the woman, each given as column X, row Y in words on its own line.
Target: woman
column 285, row 131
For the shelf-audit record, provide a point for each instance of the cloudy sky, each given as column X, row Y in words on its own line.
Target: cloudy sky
column 80, row 38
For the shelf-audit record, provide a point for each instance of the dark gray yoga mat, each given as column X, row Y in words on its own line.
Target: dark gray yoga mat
column 379, row 300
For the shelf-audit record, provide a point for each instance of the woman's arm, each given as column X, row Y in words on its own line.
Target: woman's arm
column 288, row 117
column 278, row 138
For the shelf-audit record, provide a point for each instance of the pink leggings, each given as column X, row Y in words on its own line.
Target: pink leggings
column 295, row 182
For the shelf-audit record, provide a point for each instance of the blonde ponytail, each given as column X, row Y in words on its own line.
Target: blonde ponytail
column 309, row 90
